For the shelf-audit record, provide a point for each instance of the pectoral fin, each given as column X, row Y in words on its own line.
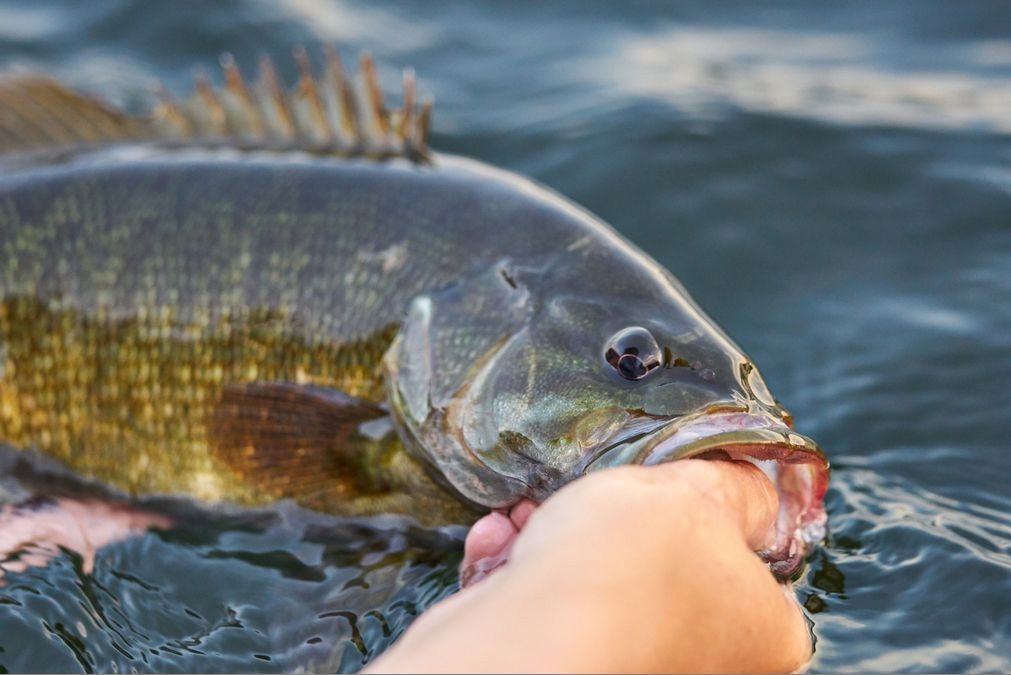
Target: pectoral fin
column 306, row 443
column 296, row 441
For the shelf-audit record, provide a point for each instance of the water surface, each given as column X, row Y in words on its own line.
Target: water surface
column 833, row 185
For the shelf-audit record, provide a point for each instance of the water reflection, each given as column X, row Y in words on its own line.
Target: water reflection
column 826, row 76
column 286, row 590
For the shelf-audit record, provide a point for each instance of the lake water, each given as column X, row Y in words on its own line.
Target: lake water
column 833, row 185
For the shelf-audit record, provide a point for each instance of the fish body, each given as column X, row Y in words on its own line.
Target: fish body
column 134, row 289
column 434, row 337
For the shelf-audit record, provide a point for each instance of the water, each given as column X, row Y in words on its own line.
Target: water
column 832, row 184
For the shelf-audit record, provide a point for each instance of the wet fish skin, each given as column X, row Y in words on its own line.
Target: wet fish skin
column 259, row 294
column 133, row 291
column 118, row 335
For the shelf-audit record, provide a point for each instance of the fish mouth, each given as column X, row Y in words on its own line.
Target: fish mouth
column 794, row 464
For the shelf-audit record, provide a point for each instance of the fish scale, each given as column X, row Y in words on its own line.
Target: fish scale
column 176, row 307
column 223, row 308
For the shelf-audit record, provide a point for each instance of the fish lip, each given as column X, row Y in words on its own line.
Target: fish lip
column 796, row 465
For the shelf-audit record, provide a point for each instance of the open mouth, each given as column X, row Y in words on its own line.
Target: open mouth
column 793, row 463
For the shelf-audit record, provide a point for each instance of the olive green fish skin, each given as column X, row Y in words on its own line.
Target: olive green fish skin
column 133, row 288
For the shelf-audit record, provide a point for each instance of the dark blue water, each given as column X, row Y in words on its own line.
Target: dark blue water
column 833, row 184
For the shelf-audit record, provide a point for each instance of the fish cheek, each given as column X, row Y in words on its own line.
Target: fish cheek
column 594, row 429
column 679, row 397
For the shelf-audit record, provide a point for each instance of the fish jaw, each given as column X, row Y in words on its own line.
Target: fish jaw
column 794, row 464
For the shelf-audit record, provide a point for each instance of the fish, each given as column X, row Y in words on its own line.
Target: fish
column 261, row 293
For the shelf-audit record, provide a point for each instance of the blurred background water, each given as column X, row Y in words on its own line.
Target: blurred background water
column 833, row 185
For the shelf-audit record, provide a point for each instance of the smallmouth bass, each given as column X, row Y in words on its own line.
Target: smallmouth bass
column 260, row 294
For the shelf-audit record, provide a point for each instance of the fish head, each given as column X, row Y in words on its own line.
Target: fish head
column 510, row 393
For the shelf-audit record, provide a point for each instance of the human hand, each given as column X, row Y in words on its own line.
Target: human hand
column 31, row 536
column 632, row 569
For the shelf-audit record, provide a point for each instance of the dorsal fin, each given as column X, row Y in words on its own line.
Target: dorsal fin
column 39, row 112
column 321, row 114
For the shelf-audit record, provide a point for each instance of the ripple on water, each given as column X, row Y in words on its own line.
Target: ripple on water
column 307, row 593
column 905, row 571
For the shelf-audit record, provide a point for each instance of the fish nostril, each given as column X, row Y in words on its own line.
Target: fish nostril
column 756, row 387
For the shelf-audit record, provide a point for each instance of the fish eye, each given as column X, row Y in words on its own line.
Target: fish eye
column 633, row 353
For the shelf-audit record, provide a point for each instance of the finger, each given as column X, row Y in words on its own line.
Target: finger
column 659, row 548
column 751, row 601
column 738, row 490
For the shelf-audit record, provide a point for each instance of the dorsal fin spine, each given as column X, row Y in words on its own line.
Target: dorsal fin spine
column 424, row 124
column 323, row 115
column 206, row 100
column 275, row 100
column 245, row 112
column 169, row 117
column 309, row 107
column 344, row 98
column 405, row 127
column 377, row 110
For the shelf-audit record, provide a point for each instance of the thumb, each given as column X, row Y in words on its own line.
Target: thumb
column 738, row 488
column 650, row 512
